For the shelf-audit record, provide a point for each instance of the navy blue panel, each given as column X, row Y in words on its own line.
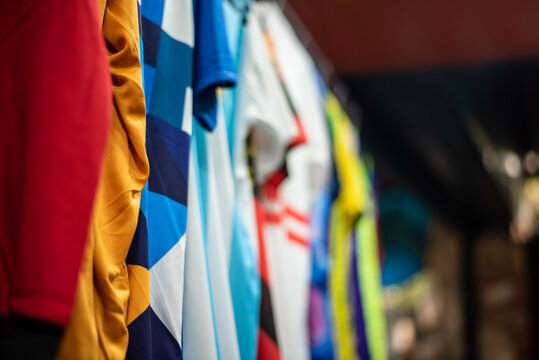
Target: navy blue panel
column 153, row 10
column 165, row 175
column 164, row 346
column 138, row 252
column 173, row 76
column 178, row 143
column 150, row 37
column 140, row 334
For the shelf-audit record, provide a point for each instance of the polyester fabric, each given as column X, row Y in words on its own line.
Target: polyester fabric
column 345, row 212
column 263, row 121
column 308, row 162
column 55, row 95
column 210, row 332
column 242, row 257
column 168, row 44
column 98, row 326
column 369, row 278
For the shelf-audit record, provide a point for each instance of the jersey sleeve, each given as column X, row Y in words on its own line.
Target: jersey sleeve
column 299, row 75
column 352, row 198
column 214, row 66
column 261, row 108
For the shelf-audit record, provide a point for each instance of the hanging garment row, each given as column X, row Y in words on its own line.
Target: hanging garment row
column 233, row 217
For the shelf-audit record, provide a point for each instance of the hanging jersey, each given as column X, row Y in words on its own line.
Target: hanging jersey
column 345, row 212
column 242, row 258
column 219, row 221
column 262, row 118
column 168, row 41
column 55, row 95
column 200, row 337
column 320, row 325
column 98, row 324
column 320, row 319
column 209, row 327
column 370, row 321
column 288, row 209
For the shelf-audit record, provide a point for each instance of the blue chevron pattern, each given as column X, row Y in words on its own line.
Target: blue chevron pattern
column 167, row 29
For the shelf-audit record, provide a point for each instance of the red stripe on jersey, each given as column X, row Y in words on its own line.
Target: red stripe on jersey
column 267, row 348
column 301, row 137
column 270, row 189
column 273, row 218
column 295, row 238
column 297, row 215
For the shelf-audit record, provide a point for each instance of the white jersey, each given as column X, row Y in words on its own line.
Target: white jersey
column 199, row 340
column 219, row 221
column 308, row 164
column 262, row 112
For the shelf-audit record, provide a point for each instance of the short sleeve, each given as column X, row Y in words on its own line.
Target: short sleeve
column 299, row 74
column 261, row 106
column 214, row 66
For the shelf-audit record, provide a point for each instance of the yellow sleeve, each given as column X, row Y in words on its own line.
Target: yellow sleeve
column 98, row 324
column 351, row 199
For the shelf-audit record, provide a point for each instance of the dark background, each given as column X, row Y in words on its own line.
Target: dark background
column 422, row 75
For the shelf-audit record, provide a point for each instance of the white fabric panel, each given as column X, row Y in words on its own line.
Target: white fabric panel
column 187, row 121
column 220, row 211
column 183, row 30
column 166, row 288
column 199, row 335
column 223, row 198
column 289, row 268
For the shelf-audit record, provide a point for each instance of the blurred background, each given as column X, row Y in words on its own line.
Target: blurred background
column 446, row 95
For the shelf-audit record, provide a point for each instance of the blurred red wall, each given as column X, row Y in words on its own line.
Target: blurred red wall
column 361, row 36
